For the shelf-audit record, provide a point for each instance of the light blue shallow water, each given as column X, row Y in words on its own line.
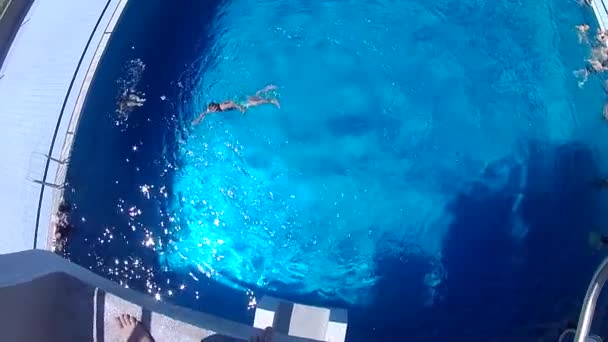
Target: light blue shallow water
column 388, row 110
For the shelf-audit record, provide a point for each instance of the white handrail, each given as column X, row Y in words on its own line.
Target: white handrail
column 588, row 310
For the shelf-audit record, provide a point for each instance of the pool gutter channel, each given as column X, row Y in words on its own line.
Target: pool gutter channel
column 116, row 11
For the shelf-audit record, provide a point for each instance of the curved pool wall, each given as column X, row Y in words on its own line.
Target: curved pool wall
column 36, row 98
column 95, row 52
column 522, row 278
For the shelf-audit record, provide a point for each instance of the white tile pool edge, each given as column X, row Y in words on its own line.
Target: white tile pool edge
column 77, row 97
column 600, row 9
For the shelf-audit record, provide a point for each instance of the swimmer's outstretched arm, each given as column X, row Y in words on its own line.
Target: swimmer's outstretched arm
column 200, row 118
column 224, row 107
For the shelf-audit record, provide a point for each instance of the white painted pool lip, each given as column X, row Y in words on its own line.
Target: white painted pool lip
column 40, row 81
column 600, row 9
column 80, row 94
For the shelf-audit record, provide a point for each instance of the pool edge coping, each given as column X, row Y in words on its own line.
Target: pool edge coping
column 600, row 10
column 80, row 94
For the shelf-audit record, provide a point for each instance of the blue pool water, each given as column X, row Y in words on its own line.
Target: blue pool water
column 430, row 167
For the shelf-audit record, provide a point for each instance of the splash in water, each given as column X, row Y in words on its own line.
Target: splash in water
column 129, row 97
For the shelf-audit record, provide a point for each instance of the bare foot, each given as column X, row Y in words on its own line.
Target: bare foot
column 276, row 103
column 266, row 89
column 131, row 330
column 265, row 337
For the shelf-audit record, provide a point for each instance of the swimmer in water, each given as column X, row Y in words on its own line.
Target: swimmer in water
column 594, row 66
column 582, row 32
column 258, row 99
column 128, row 101
column 601, row 36
column 598, row 62
column 600, row 54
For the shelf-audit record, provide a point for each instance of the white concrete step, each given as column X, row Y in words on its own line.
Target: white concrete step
column 293, row 319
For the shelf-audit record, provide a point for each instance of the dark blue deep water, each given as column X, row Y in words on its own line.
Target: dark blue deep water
column 431, row 167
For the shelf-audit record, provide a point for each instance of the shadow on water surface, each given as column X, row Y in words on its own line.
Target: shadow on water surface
column 499, row 286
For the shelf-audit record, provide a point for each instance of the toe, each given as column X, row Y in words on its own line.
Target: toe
column 129, row 319
column 123, row 320
column 119, row 322
column 132, row 320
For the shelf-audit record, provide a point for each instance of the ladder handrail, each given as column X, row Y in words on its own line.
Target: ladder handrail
column 588, row 310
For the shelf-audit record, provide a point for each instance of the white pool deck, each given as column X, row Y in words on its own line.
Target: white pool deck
column 44, row 77
column 600, row 9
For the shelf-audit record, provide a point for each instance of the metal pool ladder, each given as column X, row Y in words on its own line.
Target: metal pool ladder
column 588, row 310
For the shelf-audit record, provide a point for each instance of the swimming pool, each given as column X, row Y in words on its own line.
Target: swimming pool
column 430, row 167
